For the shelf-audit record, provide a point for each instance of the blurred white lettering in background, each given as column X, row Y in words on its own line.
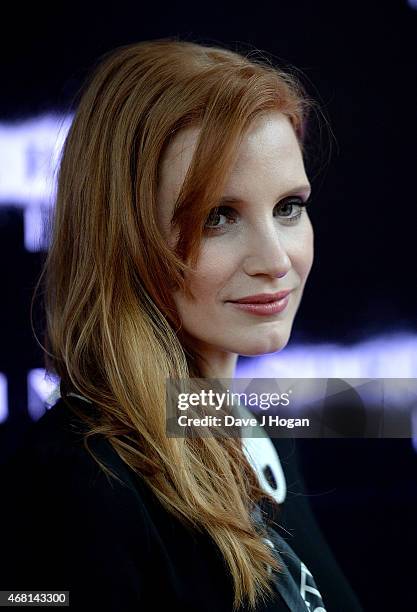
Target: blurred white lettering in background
column 29, row 156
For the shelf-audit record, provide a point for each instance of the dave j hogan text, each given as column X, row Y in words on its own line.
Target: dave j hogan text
column 267, row 420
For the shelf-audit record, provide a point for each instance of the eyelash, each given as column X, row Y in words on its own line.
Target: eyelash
column 230, row 213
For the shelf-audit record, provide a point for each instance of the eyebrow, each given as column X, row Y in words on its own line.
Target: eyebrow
column 235, row 200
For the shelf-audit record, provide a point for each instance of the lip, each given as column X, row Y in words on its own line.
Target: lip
column 264, row 308
column 262, row 298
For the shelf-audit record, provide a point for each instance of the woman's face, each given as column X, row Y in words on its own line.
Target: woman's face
column 260, row 241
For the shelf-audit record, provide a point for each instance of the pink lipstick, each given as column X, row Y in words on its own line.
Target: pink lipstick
column 263, row 304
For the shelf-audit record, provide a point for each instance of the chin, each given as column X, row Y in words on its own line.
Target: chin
column 263, row 347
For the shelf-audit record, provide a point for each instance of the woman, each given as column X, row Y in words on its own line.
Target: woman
column 181, row 193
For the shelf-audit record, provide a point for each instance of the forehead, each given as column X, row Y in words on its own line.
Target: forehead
column 269, row 136
column 269, row 153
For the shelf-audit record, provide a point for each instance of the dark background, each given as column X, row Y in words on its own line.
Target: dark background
column 358, row 59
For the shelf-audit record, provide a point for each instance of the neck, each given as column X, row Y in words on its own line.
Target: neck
column 218, row 364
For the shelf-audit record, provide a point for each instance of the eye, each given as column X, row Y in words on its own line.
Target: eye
column 216, row 214
column 290, row 210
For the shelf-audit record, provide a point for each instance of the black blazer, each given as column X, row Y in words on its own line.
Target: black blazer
column 112, row 546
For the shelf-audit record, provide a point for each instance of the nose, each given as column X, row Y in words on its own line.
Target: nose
column 267, row 255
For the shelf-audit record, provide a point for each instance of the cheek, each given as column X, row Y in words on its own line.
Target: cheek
column 214, row 268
